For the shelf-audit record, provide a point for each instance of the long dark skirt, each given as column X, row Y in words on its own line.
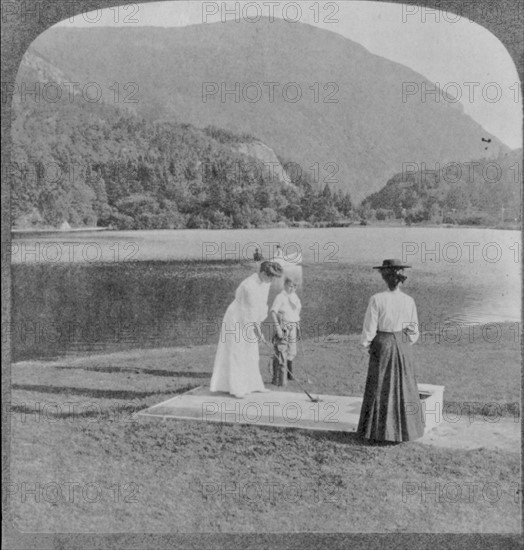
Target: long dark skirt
column 391, row 410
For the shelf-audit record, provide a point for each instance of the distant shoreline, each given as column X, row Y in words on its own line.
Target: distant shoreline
column 321, row 225
column 71, row 230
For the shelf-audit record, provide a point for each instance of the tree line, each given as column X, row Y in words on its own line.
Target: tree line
column 91, row 164
column 481, row 192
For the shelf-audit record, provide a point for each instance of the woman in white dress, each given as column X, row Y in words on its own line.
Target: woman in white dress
column 236, row 368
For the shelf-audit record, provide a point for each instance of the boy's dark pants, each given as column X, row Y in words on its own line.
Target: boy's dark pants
column 281, row 365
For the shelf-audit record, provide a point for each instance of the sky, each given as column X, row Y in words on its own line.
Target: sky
column 449, row 49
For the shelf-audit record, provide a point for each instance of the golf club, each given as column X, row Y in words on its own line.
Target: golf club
column 301, row 346
column 312, row 399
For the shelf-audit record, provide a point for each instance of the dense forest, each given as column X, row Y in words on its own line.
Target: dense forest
column 96, row 163
column 482, row 192
column 92, row 164
column 353, row 113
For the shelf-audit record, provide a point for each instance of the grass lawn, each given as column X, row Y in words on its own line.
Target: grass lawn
column 98, row 470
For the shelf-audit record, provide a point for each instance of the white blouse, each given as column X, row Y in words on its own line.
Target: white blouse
column 390, row 311
column 251, row 300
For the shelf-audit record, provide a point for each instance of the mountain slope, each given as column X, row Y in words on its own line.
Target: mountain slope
column 89, row 162
column 481, row 192
column 356, row 144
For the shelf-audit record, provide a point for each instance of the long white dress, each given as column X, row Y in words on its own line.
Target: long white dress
column 236, row 368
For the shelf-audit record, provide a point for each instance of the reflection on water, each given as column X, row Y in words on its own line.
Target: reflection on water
column 488, row 308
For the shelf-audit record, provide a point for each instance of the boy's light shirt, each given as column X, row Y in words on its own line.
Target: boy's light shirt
column 288, row 306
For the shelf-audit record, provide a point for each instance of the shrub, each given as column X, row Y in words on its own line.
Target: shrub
column 197, row 221
column 219, row 220
column 475, row 219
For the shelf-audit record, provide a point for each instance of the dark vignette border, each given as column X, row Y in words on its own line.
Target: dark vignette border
column 15, row 39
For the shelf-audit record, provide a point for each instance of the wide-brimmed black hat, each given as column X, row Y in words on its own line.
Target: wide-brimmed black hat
column 391, row 264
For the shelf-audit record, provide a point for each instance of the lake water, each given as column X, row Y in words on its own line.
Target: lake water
column 459, row 275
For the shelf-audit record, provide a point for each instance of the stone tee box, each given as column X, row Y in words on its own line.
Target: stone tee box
column 283, row 409
column 432, row 402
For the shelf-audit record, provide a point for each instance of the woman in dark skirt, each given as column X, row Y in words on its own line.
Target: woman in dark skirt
column 391, row 410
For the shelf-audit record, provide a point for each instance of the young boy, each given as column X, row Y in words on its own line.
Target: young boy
column 285, row 313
